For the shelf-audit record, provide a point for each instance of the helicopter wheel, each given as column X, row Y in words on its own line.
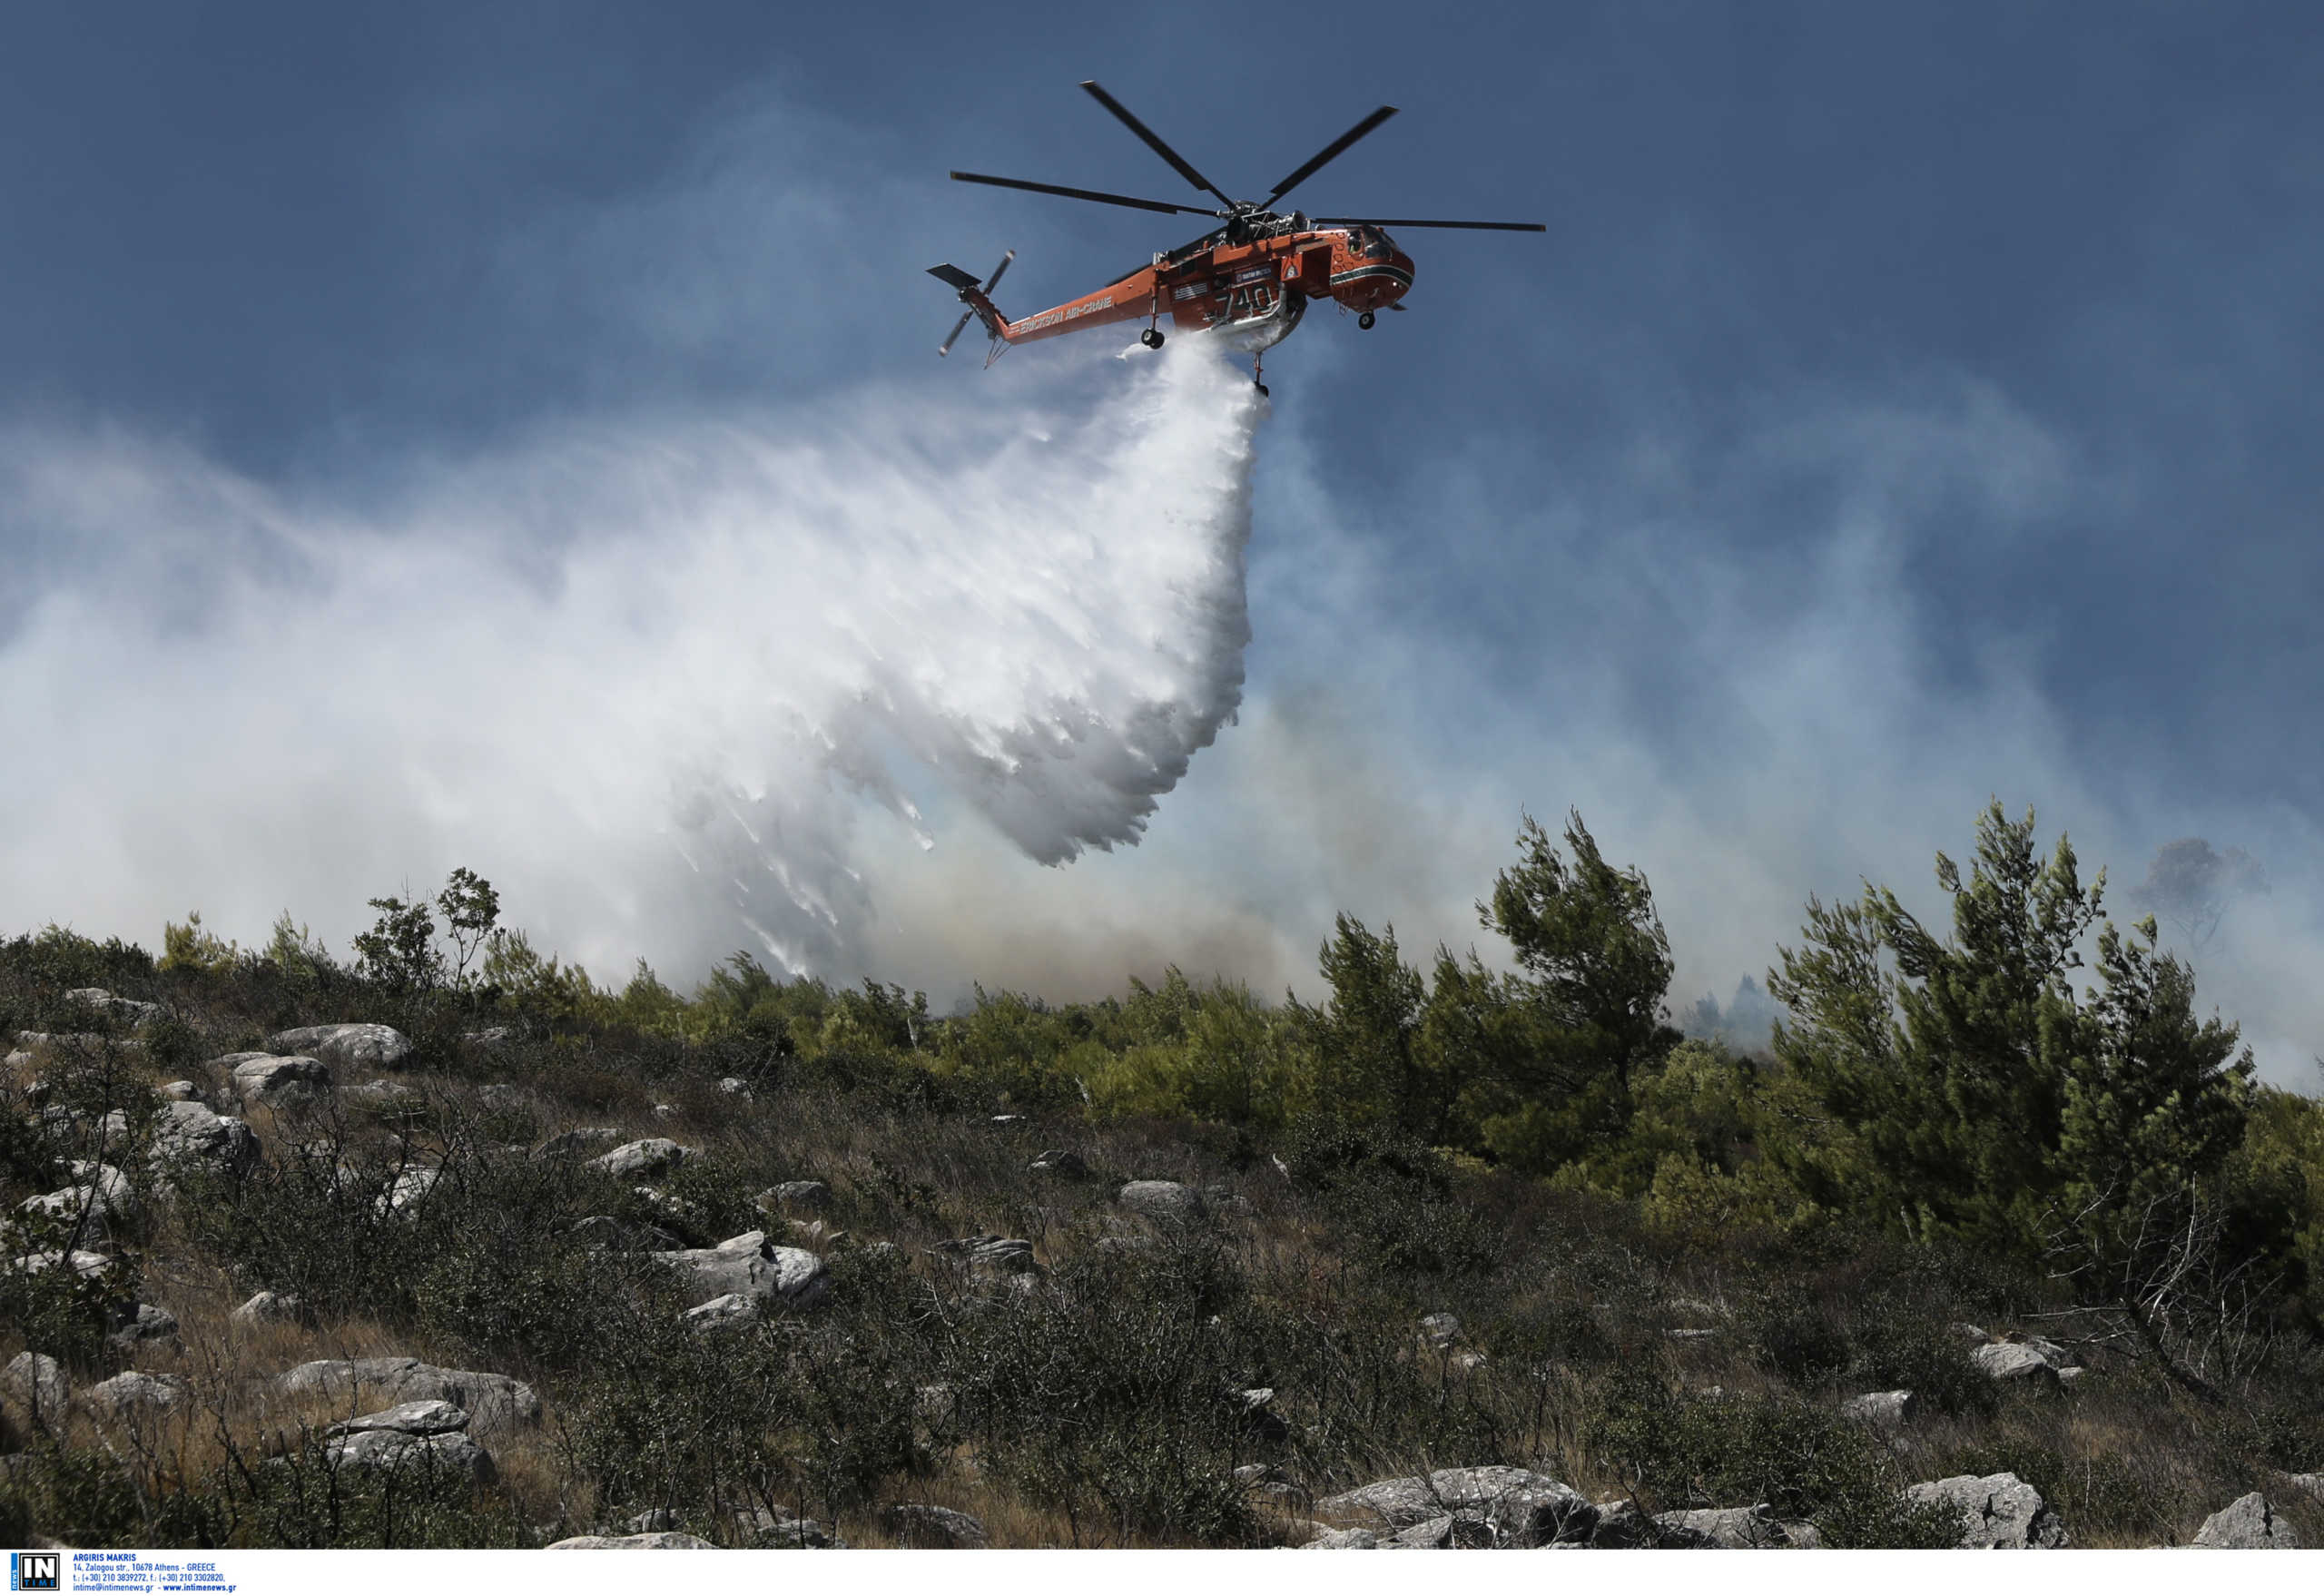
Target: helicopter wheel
column 1365, row 321
column 1262, row 388
column 1151, row 338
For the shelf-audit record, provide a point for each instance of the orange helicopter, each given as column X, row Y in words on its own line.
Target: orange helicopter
column 1249, row 280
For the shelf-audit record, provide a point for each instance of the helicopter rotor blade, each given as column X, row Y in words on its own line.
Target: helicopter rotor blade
column 993, row 281
column 1154, row 142
column 946, row 347
column 1102, row 199
column 1407, row 221
column 1331, row 151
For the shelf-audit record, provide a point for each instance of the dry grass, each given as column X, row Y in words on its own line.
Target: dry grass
column 1560, row 1295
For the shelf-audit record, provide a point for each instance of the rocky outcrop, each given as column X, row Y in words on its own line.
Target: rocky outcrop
column 128, row 1010
column 1344, row 1541
column 1440, row 1330
column 429, row 1434
column 1882, row 1410
column 573, row 1143
column 351, row 1048
column 277, row 1080
column 2010, row 1363
column 410, row 1188
column 1997, row 1512
column 1516, row 1507
column 270, row 1307
column 137, row 1394
column 722, row 1312
column 135, row 1324
column 2249, row 1523
column 751, row 1266
column 642, row 1160
column 1734, row 1529
column 1164, row 1201
column 99, row 1204
column 88, row 1265
column 34, row 1386
column 655, row 1541
column 187, row 1130
column 811, row 1197
column 493, row 1401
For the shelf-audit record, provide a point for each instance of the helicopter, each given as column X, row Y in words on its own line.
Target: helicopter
column 1249, row 280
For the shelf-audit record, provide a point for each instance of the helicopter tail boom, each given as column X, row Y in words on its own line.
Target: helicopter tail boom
column 978, row 298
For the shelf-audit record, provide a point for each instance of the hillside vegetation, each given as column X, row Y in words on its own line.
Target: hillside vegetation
column 1185, row 1267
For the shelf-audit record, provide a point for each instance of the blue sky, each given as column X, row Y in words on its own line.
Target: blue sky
column 1906, row 404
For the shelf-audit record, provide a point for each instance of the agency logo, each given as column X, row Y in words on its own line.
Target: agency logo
column 36, row 1571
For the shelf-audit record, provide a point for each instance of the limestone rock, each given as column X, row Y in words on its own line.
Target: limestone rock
column 99, row 1204
column 1440, row 1330
column 138, row 1392
column 1165, row 1201
column 573, row 1143
column 188, row 1130
column 2017, row 1365
column 723, row 1313
column 1997, row 1512
column 657, row 1541
column 348, row 1046
column 270, row 1307
column 398, row 1449
column 493, row 1401
column 1527, row 1504
column 124, row 1009
column 1063, row 1162
column 735, row 1085
column 642, row 1159
column 749, row 1264
column 35, row 1384
column 1882, row 1410
column 388, row 1099
column 921, row 1523
column 409, row 1189
column 281, row 1081
column 1620, row 1527
column 139, row 1322
column 429, row 1416
column 1344, row 1541
column 1735, row 1529
column 179, row 1092
column 88, row 1265
column 2247, row 1524
column 812, row 1195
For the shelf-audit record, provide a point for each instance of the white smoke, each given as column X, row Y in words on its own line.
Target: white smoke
column 651, row 678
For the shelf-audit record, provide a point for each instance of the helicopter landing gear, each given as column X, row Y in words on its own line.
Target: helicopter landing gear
column 1151, row 338
column 1258, row 369
column 1365, row 321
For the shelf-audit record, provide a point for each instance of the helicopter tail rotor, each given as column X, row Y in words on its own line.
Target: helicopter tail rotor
column 979, row 300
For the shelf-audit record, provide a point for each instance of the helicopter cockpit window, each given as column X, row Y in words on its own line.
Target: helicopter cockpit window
column 1369, row 242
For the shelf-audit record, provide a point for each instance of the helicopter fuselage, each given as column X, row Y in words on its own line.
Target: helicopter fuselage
column 1250, row 281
